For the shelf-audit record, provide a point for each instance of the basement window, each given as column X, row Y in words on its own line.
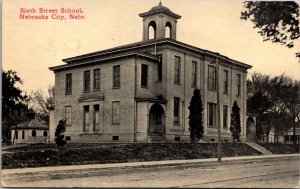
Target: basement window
column 115, row 138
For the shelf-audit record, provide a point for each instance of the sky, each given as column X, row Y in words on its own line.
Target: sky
column 31, row 46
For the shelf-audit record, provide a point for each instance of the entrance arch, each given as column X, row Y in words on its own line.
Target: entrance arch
column 156, row 119
column 250, row 130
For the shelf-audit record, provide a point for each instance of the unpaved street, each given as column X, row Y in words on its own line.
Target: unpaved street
column 270, row 173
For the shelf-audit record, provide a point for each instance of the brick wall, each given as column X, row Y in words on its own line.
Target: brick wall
column 124, row 95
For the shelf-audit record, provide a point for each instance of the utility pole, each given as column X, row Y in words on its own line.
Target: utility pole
column 218, row 111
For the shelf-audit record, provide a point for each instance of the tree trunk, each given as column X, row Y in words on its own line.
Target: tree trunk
column 294, row 133
column 235, row 151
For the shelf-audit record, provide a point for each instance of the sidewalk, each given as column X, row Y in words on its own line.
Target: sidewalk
column 41, row 173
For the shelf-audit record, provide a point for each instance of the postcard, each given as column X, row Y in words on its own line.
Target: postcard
column 170, row 93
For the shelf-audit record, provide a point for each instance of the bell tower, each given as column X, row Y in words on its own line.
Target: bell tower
column 161, row 21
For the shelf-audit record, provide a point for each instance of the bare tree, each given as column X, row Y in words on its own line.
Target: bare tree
column 41, row 103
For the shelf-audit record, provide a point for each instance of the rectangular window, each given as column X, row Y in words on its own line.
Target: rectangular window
column 211, row 109
column 159, row 68
column 176, row 109
column 144, row 75
column 225, row 86
column 225, row 117
column 96, row 79
column 177, row 69
column 68, row 83
column 238, row 85
column 116, row 75
column 86, row 118
column 86, row 82
column 96, row 120
column 116, row 113
column 194, row 74
column 212, row 80
column 68, row 115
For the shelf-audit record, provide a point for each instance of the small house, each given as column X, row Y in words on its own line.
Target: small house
column 30, row 132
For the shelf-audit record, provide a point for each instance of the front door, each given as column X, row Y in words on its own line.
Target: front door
column 156, row 120
column 250, row 130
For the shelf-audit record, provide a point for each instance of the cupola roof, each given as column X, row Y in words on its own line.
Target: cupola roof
column 160, row 9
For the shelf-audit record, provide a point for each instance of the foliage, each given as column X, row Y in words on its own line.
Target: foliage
column 14, row 102
column 78, row 154
column 289, row 94
column 277, row 148
column 283, row 124
column 235, row 124
column 195, row 117
column 59, row 133
column 41, row 103
column 264, row 102
column 12, row 97
column 277, row 21
column 270, row 99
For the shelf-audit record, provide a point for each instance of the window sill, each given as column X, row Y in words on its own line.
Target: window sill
column 84, row 133
column 68, row 93
column 212, row 90
column 145, row 87
column 116, row 87
column 95, row 133
column 86, row 91
column 115, row 123
column 176, row 124
column 177, row 83
column 95, row 90
column 158, row 81
column 225, row 93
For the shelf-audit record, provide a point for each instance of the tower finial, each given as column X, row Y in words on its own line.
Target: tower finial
column 160, row 3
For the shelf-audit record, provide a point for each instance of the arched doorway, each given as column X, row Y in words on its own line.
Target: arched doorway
column 156, row 119
column 250, row 130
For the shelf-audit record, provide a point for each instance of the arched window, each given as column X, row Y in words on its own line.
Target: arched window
column 16, row 134
column 23, row 134
column 152, row 30
column 33, row 133
column 168, row 30
column 45, row 133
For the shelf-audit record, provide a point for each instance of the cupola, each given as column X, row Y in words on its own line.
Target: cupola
column 161, row 20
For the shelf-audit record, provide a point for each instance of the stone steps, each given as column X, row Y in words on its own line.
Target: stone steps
column 259, row 148
column 156, row 138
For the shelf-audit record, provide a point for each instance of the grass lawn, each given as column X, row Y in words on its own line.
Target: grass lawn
column 76, row 154
column 277, row 148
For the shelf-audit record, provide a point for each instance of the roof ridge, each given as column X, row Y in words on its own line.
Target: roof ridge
column 30, row 123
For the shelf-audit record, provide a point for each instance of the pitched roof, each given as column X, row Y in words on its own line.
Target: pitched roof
column 290, row 131
column 32, row 124
column 160, row 9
